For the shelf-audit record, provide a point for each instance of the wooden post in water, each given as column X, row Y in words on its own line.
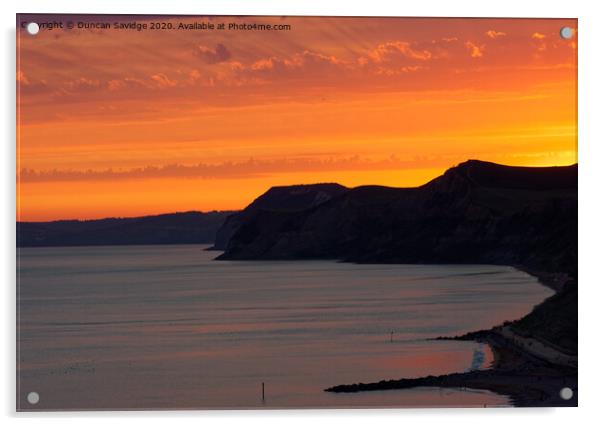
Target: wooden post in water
column 392, row 336
column 262, row 392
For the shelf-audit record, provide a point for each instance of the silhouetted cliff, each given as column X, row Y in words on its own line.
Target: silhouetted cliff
column 476, row 212
column 281, row 199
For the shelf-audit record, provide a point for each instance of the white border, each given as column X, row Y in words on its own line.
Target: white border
column 461, row 8
column 590, row 240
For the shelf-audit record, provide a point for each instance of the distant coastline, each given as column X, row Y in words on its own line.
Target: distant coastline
column 191, row 227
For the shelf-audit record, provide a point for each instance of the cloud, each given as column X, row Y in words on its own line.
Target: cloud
column 28, row 87
column 228, row 169
column 387, row 51
column 154, row 81
column 495, row 34
column 229, row 68
column 475, row 51
column 162, row 81
column 213, row 56
column 313, row 58
column 307, row 64
column 126, row 83
column 82, row 84
column 539, row 41
column 400, row 70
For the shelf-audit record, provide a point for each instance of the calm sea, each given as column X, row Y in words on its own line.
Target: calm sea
column 142, row 327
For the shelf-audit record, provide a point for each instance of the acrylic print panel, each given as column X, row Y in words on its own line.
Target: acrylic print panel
column 292, row 212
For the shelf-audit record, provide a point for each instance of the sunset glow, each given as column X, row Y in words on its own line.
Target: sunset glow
column 126, row 123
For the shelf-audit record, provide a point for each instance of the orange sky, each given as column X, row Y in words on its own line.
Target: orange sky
column 125, row 123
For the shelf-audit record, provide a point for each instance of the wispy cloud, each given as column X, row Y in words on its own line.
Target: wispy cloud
column 230, row 170
column 388, row 51
column 495, row 34
column 213, row 55
column 475, row 51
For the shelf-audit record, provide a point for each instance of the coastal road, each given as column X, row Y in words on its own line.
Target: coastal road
column 538, row 349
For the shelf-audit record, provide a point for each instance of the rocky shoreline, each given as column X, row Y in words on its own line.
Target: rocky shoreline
column 526, row 370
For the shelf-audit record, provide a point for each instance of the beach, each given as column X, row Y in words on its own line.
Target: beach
column 529, row 371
